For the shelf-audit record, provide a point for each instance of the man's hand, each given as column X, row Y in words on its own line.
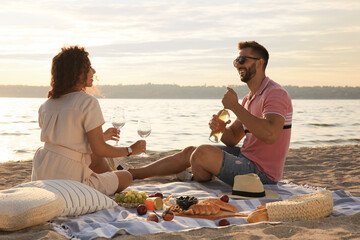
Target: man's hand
column 215, row 124
column 139, row 147
column 112, row 134
column 230, row 99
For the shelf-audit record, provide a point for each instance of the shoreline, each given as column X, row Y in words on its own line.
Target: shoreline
column 331, row 167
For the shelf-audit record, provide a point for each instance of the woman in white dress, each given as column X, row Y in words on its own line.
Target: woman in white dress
column 71, row 128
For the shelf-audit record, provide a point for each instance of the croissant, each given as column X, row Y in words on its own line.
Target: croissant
column 203, row 209
column 223, row 205
column 258, row 215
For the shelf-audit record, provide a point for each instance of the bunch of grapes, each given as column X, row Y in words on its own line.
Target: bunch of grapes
column 130, row 197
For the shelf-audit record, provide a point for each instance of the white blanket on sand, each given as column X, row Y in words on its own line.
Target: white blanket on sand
column 119, row 220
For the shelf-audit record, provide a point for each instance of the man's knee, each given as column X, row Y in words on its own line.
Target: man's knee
column 207, row 157
column 187, row 152
column 199, row 155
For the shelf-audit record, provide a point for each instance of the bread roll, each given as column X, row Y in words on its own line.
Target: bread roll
column 223, row 205
column 203, row 209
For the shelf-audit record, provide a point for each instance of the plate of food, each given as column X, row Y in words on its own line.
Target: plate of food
column 208, row 208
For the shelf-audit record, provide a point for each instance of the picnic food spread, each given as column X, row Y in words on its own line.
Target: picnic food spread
column 183, row 206
column 305, row 206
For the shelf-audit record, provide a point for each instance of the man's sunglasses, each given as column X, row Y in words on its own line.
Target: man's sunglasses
column 241, row 59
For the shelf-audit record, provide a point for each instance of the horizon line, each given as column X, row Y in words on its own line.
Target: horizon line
column 164, row 84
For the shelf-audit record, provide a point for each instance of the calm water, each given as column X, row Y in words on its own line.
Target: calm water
column 178, row 123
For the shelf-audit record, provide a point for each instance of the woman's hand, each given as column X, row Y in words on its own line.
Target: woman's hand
column 138, row 147
column 112, row 134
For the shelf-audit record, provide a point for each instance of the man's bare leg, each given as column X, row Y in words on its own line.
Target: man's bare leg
column 165, row 166
column 206, row 161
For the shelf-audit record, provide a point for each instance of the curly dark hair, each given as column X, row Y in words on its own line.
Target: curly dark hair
column 257, row 49
column 67, row 69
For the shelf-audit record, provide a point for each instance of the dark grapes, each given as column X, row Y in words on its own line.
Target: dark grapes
column 186, row 201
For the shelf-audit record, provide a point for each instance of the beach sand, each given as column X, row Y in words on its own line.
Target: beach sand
column 332, row 167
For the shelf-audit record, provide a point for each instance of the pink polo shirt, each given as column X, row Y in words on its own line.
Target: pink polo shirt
column 274, row 99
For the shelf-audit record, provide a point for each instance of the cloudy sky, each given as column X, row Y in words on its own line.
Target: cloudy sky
column 311, row 43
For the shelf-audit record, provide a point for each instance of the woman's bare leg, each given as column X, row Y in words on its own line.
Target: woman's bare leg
column 99, row 164
column 125, row 179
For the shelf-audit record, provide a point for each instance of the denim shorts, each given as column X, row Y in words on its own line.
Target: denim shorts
column 234, row 163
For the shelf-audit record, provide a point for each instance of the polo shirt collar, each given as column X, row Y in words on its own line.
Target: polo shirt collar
column 262, row 87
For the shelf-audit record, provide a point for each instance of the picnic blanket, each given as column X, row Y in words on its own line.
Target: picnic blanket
column 119, row 220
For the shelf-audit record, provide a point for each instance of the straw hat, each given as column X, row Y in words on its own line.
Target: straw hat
column 306, row 206
column 249, row 186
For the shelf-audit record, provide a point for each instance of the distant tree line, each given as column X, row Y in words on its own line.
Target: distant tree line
column 186, row 92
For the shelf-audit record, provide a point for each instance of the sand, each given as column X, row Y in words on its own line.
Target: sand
column 333, row 167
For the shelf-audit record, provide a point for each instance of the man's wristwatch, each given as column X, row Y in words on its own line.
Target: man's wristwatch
column 129, row 150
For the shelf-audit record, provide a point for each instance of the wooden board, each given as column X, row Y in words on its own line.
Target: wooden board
column 221, row 214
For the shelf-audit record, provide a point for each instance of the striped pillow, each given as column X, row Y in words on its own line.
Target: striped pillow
column 79, row 198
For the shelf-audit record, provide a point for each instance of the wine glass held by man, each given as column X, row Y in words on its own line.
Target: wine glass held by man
column 71, row 122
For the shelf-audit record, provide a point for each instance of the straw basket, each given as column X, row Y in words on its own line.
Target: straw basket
column 307, row 206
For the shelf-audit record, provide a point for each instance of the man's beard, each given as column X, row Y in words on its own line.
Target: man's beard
column 250, row 73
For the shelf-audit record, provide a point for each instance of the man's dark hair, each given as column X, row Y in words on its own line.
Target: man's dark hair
column 257, row 49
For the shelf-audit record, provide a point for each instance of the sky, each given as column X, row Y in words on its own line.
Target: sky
column 188, row 43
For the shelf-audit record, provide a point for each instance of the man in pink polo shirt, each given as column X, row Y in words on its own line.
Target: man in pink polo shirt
column 263, row 119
